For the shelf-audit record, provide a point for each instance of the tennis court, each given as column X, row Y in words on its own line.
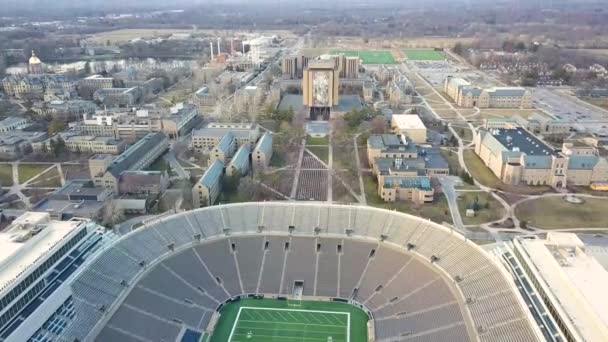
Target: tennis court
column 369, row 56
column 424, row 55
column 273, row 325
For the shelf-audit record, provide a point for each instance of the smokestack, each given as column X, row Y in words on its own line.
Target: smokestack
column 211, row 46
column 219, row 50
column 243, row 43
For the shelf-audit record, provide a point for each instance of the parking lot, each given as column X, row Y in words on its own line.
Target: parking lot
column 563, row 107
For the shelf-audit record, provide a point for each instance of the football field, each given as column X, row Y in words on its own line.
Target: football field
column 369, row 56
column 270, row 320
column 424, row 55
column 274, row 325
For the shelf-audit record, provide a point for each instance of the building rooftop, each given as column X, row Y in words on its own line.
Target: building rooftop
column 575, row 280
column 506, row 91
column 212, row 174
column 240, row 160
column 29, row 239
column 226, row 142
column 391, row 142
column 80, row 187
column 265, row 143
column 407, row 121
column 520, row 140
column 423, row 183
column 133, row 154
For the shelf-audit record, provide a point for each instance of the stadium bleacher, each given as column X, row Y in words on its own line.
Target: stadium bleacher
column 420, row 281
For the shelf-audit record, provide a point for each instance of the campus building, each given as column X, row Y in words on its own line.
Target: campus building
column 409, row 125
column 320, row 86
column 262, row 153
column 209, row 186
column 390, row 146
column 38, row 257
column 517, row 156
column 82, row 143
column 95, row 82
column 203, row 98
column 118, row 97
column 106, row 170
column 290, row 67
column 207, row 138
column 565, row 283
column 224, row 149
column 13, row 123
column 239, row 164
column 402, row 169
column 35, row 85
column 468, row 96
column 131, row 125
column 351, row 69
column 404, row 188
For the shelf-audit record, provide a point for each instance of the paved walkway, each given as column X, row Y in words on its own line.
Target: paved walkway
column 362, row 198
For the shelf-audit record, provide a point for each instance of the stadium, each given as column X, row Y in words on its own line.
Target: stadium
column 295, row 272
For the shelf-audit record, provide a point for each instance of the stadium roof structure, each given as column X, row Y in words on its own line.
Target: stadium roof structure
column 454, row 290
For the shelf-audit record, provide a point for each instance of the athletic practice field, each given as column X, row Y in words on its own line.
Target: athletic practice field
column 369, row 56
column 424, row 55
column 269, row 320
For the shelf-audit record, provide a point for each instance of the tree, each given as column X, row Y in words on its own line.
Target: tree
column 378, row 125
column 56, row 126
column 231, row 183
column 248, row 188
column 44, row 148
column 111, row 214
column 87, row 67
column 458, row 49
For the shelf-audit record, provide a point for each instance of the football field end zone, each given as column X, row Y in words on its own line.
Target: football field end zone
column 236, row 320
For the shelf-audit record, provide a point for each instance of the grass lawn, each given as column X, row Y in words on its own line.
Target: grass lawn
column 555, row 213
column 452, row 158
column 320, row 151
column 160, row 165
column 438, row 211
column 369, row 56
column 317, row 141
column 424, row 55
column 494, row 211
column 28, row 171
column 6, row 175
column 49, row 179
column 75, row 171
column 272, row 320
column 485, row 176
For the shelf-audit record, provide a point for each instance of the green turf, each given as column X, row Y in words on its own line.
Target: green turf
column 424, row 55
column 369, row 56
column 272, row 320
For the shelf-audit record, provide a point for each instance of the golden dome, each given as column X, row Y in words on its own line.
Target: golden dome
column 34, row 59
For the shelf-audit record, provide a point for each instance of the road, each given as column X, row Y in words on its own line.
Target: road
column 447, row 185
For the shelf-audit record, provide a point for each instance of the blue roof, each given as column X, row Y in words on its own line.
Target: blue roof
column 213, row 174
column 134, row 153
column 423, row 183
column 226, row 142
column 507, row 91
column 538, row 162
column 582, row 162
column 518, row 140
column 240, row 161
column 390, row 142
column 265, row 143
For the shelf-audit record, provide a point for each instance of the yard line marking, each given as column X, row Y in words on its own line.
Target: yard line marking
column 320, row 325
column 234, row 324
